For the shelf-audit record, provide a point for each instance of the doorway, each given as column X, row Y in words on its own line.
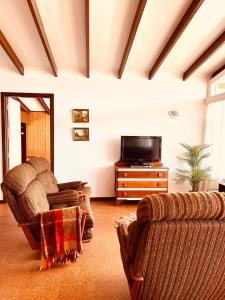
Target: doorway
column 48, row 109
column 23, row 142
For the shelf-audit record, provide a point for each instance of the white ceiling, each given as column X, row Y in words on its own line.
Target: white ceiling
column 110, row 22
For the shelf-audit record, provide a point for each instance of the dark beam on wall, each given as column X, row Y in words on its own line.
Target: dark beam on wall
column 10, row 52
column 44, row 105
column 186, row 19
column 204, row 56
column 40, row 27
column 87, row 31
column 220, row 69
column 133, row 31
column 22, row 105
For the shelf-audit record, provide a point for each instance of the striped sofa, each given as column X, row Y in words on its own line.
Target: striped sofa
column 175, row 249
column 31, row 188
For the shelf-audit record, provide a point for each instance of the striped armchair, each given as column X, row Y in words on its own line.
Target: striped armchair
column 176, row 248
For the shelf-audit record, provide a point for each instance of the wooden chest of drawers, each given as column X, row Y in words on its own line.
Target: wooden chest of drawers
column 136, row 183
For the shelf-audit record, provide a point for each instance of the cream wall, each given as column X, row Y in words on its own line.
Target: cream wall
column 130, row 106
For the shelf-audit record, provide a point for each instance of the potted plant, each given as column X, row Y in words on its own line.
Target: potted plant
column 195, row 173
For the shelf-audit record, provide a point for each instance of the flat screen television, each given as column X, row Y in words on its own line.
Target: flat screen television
column 140, row 149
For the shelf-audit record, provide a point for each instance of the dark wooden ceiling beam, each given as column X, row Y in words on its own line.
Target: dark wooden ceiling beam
column 220, row 69
column 187, row 17
column 204, row 56
column 133, row 31
column 10, row 52
column 22, row 105
column 44, row 105
column 40, row 27
column 87, row 32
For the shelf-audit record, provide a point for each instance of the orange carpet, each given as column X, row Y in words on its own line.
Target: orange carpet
column 98, row 274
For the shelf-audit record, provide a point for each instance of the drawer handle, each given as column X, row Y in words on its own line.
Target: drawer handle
column 158, row 184
column 125, row 193
column 124, row 184
column 125, row 174
column 160, row 174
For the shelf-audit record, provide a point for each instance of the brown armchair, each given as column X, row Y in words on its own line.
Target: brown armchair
column 64, row 194
column 27, row 199
column 176, row 247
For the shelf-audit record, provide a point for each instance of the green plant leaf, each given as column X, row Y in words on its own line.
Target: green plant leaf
column 193, row 158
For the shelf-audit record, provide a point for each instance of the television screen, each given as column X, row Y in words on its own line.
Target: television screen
column 141, row 148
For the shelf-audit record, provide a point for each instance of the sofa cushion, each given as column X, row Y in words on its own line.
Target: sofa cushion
column 39, row 164
column 34, row 200
column 18, row 178
column 48, row 180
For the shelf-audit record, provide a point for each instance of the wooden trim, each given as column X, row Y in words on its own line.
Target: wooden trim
column 35, row 245
column 40, row 27
column 10, row 52
column 44, row 105
column 5, row 144
column 52, row 122
column 103, row 198
column 186, row 19
column 4, row 105
column 135, row 285
column 28, row 223
column 87, row 25
column 204, row 56
column 23, row 106
column 133, row 31
column 83, row 219
column 27, row 95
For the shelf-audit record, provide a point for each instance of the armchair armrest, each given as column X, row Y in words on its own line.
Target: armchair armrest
column 122, row 233
column 36, row 222
column 62, row 198
column 73, row 185
column 60, row 193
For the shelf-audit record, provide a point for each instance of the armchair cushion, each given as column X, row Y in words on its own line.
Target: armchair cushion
column 13, row 204
column 43, row 173
column 18, row 178
column 33, row 201
column 39, row 164
column 49, row 182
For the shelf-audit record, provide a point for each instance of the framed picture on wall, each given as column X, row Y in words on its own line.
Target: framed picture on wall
column 80, row 115
column 80, row 134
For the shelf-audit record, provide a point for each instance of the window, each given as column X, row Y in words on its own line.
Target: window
column 215, row 136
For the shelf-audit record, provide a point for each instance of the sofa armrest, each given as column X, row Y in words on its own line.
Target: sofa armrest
column 73, row 185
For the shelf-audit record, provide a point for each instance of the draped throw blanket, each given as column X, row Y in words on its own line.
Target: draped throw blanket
column 61, row 239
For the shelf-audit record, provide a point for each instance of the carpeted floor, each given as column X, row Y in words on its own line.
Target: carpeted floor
column 97, row 275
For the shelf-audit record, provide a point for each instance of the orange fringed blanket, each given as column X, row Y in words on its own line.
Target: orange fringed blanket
column 61, row 239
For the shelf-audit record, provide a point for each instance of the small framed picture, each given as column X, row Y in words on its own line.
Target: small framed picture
column 80, row 115
column 81, row 134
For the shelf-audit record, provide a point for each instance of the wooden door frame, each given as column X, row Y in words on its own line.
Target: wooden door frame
column 5, row 132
